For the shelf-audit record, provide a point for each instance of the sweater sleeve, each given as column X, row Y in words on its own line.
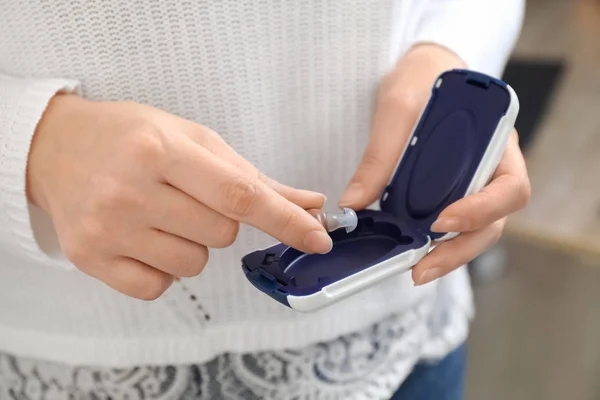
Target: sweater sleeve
column 482, row 33
column 22, row 103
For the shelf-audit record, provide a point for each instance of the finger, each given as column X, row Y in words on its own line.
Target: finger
column 501, row 198
column 512, row 162
column 508, row 192
column 179, row 214
column 168, row 253
column 245, row 198
column 392, row 124
column 133, row 278
column 448, row 256
column 213, row 142
column 305, row 199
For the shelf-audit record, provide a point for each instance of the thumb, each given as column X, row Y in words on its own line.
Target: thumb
column 392, row 124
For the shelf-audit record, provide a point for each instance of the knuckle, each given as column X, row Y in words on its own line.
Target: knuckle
column 373, row 161
column 205, row 135
column 80, row 245
column 289, row 222
column 150, row 293
column 452, row 261
column 193, row 262
column 228, row 232
column 524, row 193
column 92, row 231
column 401, row 100
column 77, row 253
column 480, row 210
column 455, row 262
column 260, row 177
column 108, row 194
column 515, row 136
column 496, row 238
column 483, row 201
column 240, row 196
column 143, row 143
column 152, row 286
column 497, row 231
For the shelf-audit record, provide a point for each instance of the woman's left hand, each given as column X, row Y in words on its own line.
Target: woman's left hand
column 479, row 218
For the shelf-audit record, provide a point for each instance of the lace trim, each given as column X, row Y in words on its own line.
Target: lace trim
column 369, row 364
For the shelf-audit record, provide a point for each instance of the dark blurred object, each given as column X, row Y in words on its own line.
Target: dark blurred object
column 535, row 82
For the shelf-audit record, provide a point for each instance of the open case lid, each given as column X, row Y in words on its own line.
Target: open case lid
column 446, row 151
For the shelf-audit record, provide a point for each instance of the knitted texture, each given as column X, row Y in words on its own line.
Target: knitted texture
column 285, row 83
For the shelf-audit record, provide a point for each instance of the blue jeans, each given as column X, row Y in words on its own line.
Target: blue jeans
column 441, row 381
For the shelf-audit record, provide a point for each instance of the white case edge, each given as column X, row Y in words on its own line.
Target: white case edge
column 357, row 282
column 494, row 152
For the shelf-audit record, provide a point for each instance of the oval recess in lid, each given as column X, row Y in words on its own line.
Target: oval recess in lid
column 443, row 159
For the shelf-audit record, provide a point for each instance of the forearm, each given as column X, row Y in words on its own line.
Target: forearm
column 482, row 33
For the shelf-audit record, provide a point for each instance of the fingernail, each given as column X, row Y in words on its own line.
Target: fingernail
column 449, row 224
column 318, row 242
column 430, row 274
column 322, row 199
column 313, row 193
column 352, row 195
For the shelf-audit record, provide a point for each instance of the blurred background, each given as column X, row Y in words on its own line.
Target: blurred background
column 537, row 331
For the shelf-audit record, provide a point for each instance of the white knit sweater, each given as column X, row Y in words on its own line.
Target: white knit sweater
column 284, row 82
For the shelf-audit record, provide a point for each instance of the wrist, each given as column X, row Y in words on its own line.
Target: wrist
column 436, row 54
column 39, row 162
column 414, row 75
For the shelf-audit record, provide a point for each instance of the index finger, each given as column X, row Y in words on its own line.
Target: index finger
column 241, row 195
column 508, row 192
column 214, row 143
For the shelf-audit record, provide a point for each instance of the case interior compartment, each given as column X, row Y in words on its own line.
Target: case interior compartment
column 378, row 236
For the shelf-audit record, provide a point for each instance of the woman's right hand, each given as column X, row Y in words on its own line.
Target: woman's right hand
column 137, row 195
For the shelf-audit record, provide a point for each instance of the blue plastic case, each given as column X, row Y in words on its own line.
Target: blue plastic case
column 453, row 152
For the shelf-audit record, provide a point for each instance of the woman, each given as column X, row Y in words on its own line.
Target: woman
column 131, row 139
